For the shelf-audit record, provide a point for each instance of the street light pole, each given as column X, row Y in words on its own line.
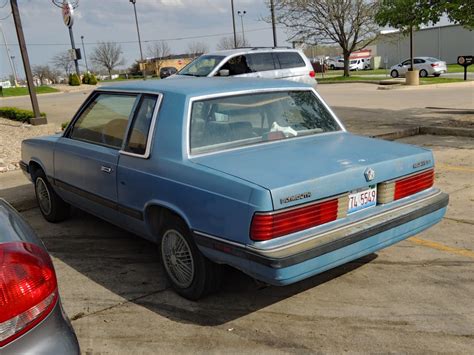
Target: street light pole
column 242, row 14
column 272, row 9
column 15, row 74
column 84, row 50
column 138, row 32
column 233, row 23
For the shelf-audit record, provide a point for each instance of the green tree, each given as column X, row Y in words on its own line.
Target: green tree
column 407, row 16
column 458, row 11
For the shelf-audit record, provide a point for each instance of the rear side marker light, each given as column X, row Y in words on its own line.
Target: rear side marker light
column 266, row 226
column 312, row 74
column 28, row 288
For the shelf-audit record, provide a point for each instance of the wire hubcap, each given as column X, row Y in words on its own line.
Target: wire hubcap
column 44, row 199
column 177, row 258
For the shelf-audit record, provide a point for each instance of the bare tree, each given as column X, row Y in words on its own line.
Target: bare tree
column 159, row 51
column 107, row 55
column 63, row 60
column 228, row 43
column 195, row 49
column 44, row 72
column 349, row 23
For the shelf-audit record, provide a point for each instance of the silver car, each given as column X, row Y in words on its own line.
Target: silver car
column 426, row 66
column 269, row 63
column 31, row 318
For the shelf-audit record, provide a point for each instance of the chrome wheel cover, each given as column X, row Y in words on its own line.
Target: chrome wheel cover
column 177, row 258
column 42, row 194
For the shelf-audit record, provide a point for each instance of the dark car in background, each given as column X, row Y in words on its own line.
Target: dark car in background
column 167, row 71
column 31, row 317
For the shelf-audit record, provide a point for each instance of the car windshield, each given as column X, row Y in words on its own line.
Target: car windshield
column 234, row 121
column 201, row 66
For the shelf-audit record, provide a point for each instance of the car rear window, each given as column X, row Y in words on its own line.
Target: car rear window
column 290, row 60
column 260, row 62
column 239, row 120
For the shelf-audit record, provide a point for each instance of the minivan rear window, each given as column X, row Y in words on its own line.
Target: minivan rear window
column 290, row 60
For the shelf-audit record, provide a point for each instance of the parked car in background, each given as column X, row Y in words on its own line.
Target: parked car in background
column 267, row 63
column 356, row 64
column 31, row 317
column 257, row 174
column 335, row 63
column 167, row 71
column 426, row 65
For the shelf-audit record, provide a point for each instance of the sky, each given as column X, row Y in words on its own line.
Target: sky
column 176, row 21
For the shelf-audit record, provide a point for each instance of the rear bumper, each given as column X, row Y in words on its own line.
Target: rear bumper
column 315, row 254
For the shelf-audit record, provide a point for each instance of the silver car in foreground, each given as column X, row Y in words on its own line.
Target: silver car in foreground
column 31, row 317
column 426, row 66
column 258, row 62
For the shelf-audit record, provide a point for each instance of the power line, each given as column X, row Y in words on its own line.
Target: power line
column 150, row 40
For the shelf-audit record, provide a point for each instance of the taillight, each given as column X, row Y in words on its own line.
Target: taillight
column 266, row 226
column 403, row 187
column 434, row 64
column 312, row 74
column 28, row 288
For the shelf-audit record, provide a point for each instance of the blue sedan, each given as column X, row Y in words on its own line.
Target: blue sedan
column 257, row 174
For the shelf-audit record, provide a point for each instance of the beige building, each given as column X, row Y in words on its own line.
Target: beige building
column 153, row 65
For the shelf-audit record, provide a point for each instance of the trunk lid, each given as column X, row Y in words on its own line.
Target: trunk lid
column 317, row 167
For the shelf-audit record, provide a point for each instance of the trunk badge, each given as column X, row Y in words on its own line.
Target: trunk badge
column 369, row 174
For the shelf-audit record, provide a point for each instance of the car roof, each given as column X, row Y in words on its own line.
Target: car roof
column 204, row 86
column 228, row 52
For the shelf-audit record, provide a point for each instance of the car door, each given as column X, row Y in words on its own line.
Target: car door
column 292, row 66
column 420, row 64
column 404, row 67
column 237, row 66
column 262, row 64
column 85, row 158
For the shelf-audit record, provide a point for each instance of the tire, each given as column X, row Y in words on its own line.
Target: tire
column 52, row 207
column 332, row 67
column 394, row 73
column 423, row 73
column 190, row 273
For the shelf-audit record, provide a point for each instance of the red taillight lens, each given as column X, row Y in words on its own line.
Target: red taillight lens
column 434, row 64
column 28, row 288
column 269, row 226
column 312, row 74
column 413, row 184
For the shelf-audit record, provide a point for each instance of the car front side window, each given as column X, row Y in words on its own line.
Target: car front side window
column 105, row 120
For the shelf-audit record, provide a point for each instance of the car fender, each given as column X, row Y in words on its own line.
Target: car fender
column 173, row 208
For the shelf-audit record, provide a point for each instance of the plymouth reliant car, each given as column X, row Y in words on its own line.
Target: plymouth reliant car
column 257, row 174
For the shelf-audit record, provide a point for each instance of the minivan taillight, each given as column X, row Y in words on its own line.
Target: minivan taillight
column 266, row 226
column 28, row 288
column 312, row 73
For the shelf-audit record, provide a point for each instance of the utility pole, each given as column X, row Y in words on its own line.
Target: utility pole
column 233, row 22
column 76, row 56
column 84, row 50
column 37, row 120
column 272, row 9
column 9, row 56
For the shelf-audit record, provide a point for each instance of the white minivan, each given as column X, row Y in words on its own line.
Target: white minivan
column 269, row 63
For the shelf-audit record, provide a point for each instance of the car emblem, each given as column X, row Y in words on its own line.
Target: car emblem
column 369, row 174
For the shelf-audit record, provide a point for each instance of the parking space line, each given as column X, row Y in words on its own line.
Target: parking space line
column 455, row 168
column 442, row 247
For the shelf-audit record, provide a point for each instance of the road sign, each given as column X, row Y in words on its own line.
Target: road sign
column 68, row 14
column 465, row 61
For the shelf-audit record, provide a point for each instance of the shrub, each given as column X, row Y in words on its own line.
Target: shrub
column 92, row 80
column 18, row 114
column 64, row 125
column 85, row 78
column 74, row 80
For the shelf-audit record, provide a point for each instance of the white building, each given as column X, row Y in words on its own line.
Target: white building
column 443, row 42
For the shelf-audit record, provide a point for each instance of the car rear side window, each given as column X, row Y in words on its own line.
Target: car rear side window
column 105, row 120
column 260, row 62
column 239, row 120
column 140, row 128
column 290, row 60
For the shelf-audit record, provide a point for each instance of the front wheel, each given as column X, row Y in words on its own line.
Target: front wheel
column 394, row 73
column 190, row 273
column 52, row 207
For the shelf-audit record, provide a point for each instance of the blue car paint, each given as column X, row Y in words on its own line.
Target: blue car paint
column 219, row 193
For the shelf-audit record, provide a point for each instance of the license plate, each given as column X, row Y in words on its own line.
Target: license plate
column 361, row 199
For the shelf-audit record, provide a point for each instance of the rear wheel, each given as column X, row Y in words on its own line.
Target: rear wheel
column 332, row 67
column 423, row 73
column 394, row 73
column 52, row 207
column 190, row 273
column 436, row 75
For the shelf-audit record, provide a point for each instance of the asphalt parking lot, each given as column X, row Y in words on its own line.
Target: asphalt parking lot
column 416, row 296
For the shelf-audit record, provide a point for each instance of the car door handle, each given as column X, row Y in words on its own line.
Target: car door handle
column 106, row 169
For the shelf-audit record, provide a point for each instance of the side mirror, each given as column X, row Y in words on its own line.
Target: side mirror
column 224, row 72
column 400, row 65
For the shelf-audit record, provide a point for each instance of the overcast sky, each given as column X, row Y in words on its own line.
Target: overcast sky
column 113, row 20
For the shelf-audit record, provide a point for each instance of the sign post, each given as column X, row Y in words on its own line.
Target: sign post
column 465, row 61
column 68, row 18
